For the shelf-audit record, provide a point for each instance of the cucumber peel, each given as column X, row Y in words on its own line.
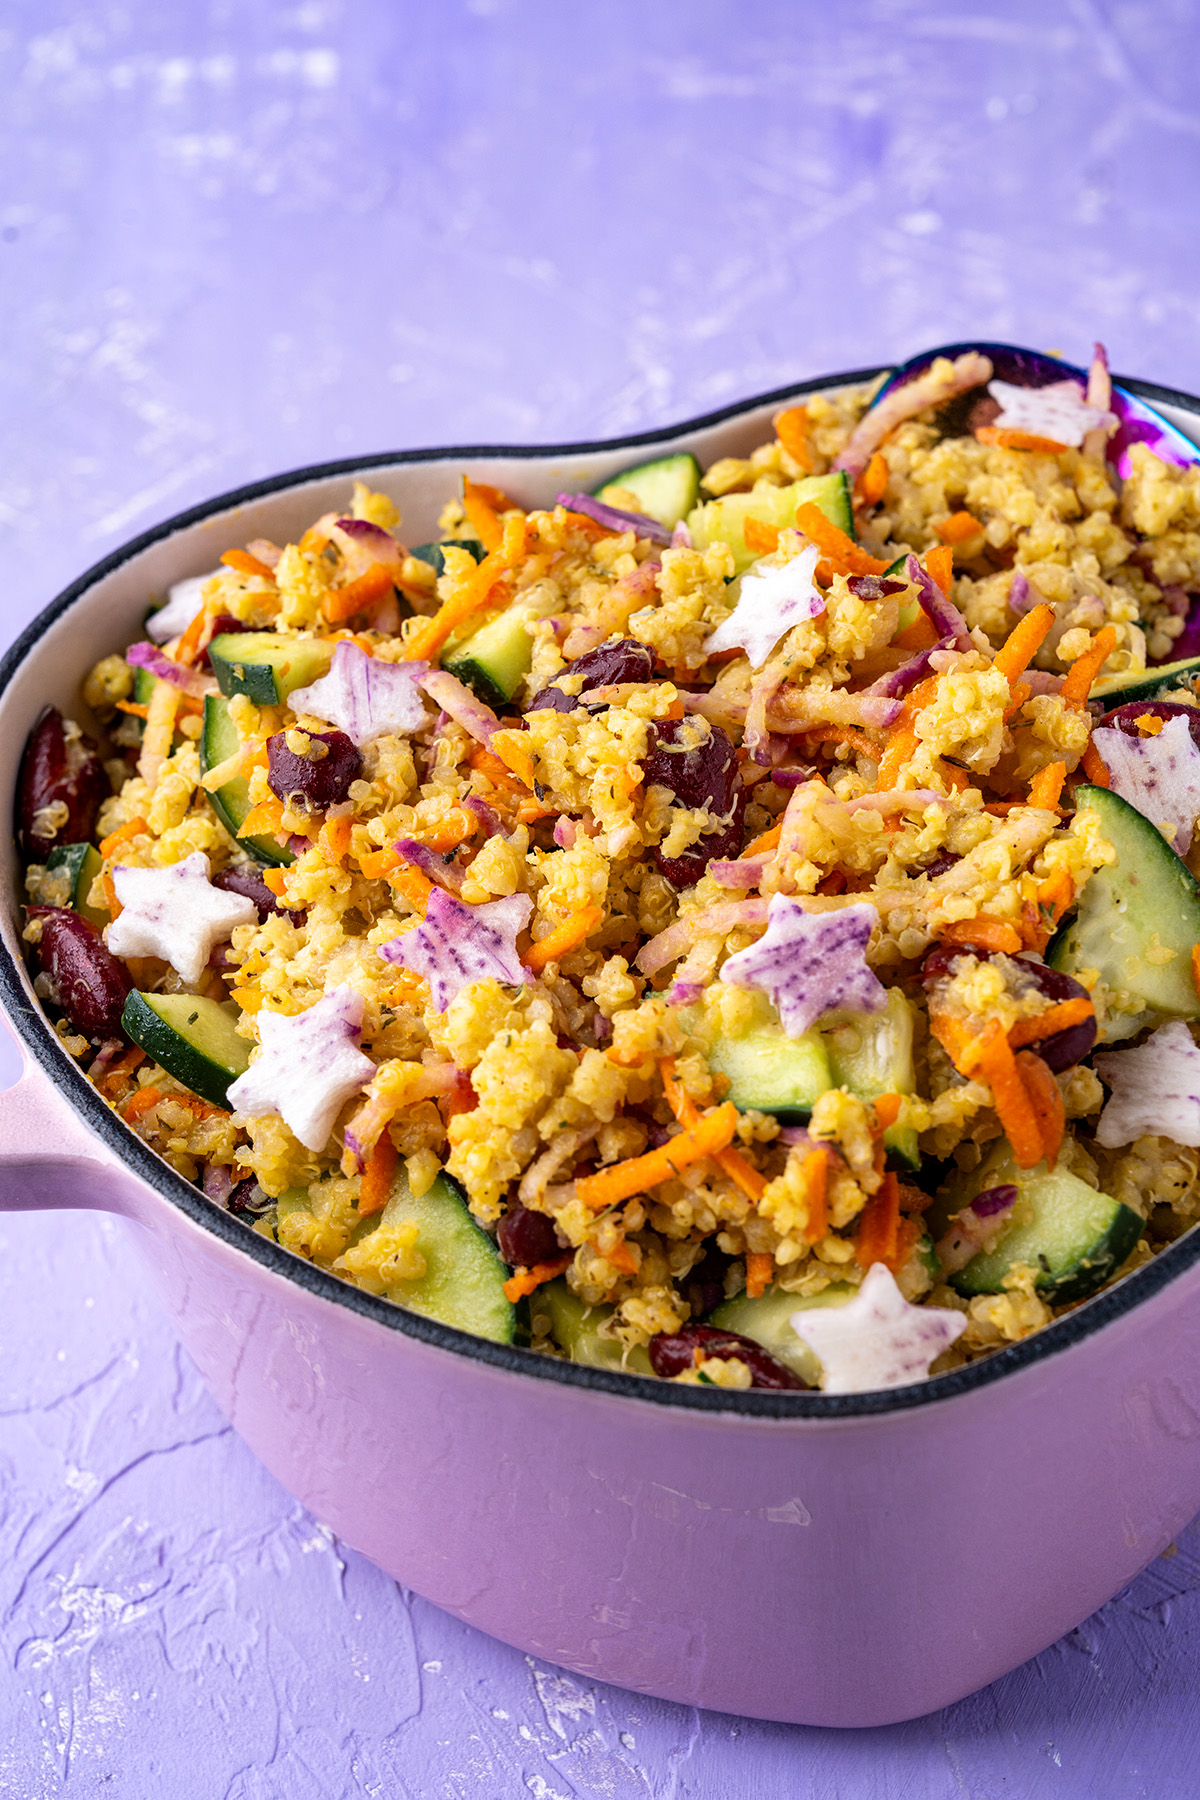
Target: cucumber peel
column 265, row 665
column 665, row 490
column 193, row 1039
column 724, row 520
column 231, row 801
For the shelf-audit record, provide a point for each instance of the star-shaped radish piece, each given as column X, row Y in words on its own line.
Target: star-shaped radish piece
column 1155, row 1089
column 1159, row 775
column 308, row 1066
column 770, row 602
column 183, row 602
column 459, row 944
column 876, row 1340
column 176, row 914
column 364, row 697
column 1058, row 412
column 810, row 963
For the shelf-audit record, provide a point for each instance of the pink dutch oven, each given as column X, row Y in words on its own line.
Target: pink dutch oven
column 817, row 1559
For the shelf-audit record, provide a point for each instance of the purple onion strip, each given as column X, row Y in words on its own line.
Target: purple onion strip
column 614, row 519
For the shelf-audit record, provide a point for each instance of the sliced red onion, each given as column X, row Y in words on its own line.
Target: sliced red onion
column 1155, row 1089
column 800, row 709
column 363, row 543
column 810, row 963
column 728, row 915
column 462, row 705
column 218, row 1183
column 308, row 1066
column 487, row 818
column 942, row 613
column 1159, row 775
column 874, row 587
column 613, row 519
column 1099, row 381
column 903, row 397
column 684, row 993
column 564, row 832
column 150, row 657
column 364, row 696
column 444, row 874
column 901, row 681
column 1019, row 592
column 743, row 872
column 975, row 1226
column 459, row 944
column 1041, row 681
column 796, row 776
column 681, row 537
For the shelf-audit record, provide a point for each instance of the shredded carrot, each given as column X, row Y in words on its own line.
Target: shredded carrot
column 731, row 1162
column 336, row 834
column 1084, row 670
column 878, row 1237
column 498, row 774
column 768, row 841
column 495, row 497
column 141, row 1102
column 847, row 557
column 266, row 816
column 529, row 812
column 1047, row 785
column 526, row 1280
column 196, row 635
column 902, row 746
column 791, row 428
column 482, row 515
column 871, row 485
column 116, row 1073
column 993, row 1059
column 1056, row 893
column 922, row 634
column 760, row 538
column 377, row 1177
column 449, row 832
column 460, row 1099
column 1094, row 768
column 1046, row 1102
column 610, row 1186
column 245, row 564
column 378, row 863
column 1060, row 1017
column 115, row 839
column 983, row 933
column 958, row 528
column 620, row 1257
column 1016, row 700
column 814, row 1182
column 413, row 886
column 429, row 636
column 133, row 707
column 512, row 747
column 840, row 734
column 887, row 1111
column 1006, row 439
column 313, row 541
column 1196, row 967
column 1023, row 643
column 374, row 585
column 276, row 881
column 939, row 565
column 110, row 895
column 568, row 936
column 760, row 1266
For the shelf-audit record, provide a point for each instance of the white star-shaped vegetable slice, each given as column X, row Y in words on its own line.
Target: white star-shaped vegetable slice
column 459, row 944
column 876, row 1340
column 1155, row 1089
column 1159, row 775
column 175, row 913
column 770, row 602
column 810, row 963
column 307, row 1068
column 1058, row 412
column 364, row 697
column 184, row 601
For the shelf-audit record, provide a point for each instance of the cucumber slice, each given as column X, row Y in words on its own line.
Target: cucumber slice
column 575, row 1328
column 872, row 1054
column 768, row 1321
column 494, row 660
column 265, row 665
column 666, row 490
column 83, row 863
column 464, row 1280
column 724, row 521
column 1147, row 684
column 432, row 553
column 231, row 801
column 768, row 1072
column 192, row 1039
column 1147, row 900
column 1075, row 1237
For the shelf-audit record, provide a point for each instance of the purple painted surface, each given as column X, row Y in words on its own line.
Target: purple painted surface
column 237, row 241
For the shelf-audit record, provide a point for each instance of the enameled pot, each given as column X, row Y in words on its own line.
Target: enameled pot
column 824, row 1560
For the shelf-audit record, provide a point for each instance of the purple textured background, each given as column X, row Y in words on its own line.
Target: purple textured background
column 238, row 239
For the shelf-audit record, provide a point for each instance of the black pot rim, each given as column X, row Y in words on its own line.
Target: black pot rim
column 35, row 1033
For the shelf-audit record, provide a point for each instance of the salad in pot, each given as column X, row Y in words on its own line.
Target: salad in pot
column 738, row 926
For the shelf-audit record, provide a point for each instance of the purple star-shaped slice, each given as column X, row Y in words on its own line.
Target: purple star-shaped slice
column 308, row 1066
column 770, row 601
column 876, row 1340
column 810, row 963
column 363, row 696
column 459, row 944
column 1158, row 775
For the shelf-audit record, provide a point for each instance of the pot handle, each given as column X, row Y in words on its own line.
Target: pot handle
column 48, row 1157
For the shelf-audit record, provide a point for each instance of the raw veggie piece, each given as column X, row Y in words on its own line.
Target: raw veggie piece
column 1075, row 1237
column 193, row 1039
column 768, row 1320
column 363, row 696
column 1148, row 684
column 83, row 863
column 878, row 1339
column 810, row 963
column 724, row 521
column 463, row 1283
column 1155, row 1089
column 665, row 490
column 459, row 944
column 231, row 801
column 1159, row 775
column 768, row 1072
column 309, row 1064
column 770, row 601
column 265, row 665
column 432, row 553
column 1148, row 900
column 575, row 1328
column 494, row 660
column 872, row 1054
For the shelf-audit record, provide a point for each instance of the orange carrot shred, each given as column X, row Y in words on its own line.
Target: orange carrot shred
column 193, row 639
column 1007, row 439
column 791, row 428
column 1094, row 768
column 939, row 565
column 481, row 515
column 122, row 835
column 983, row 933
column 565, row 937
column 640, row 1173
column 760, row 1266
column 134, row 707
column 140, row 1103
column 1023, row 643
column 814, row 1181
column 887, row 1111
column 378, row 863
column 110, row 895
column 1046, row 1102
column 1047, row 785
column 871, row 485
column 922, row 634
column 266, row 816
column 1084, row 670
column 958, row 528
column 731, row 1162
column 377, row 1177
column 847, row 557
column 413, row 886
column 526, row 1280
column 901, row 748
column 878, row 1237
column 1196, row 967
column 245, row 564
column 760, row 538
column 429, row 636
column 360, row 595
column 993, row 1058
column 336, row 833
column 840, row 734
column 1060, row 1017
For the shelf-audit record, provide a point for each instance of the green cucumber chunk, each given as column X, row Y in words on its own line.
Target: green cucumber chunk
column 665, row 490
column 768, row 1320
column 910, row 610
column 1147, row 901
column 266, row 666
column 724, row 521
column 768, row 1072
column 872, row 1054
column 193, row 1039
column 82, row 863
column 432, row 553
column 1147, row 684
column 231, row 801
column 575, row 1328
column 1075, row 1237
column 463, row 1283
column 494, row 660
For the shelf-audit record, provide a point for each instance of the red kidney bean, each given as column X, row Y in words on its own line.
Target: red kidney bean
column 939, row 865
column 89, row 983
column 252, row 886
column 874, row 587
column 526, row 1237
column 310, row 784
column 224, row 625
column 55, row 770
column 605, row 667
column 705, row 1284
column 1063, row 1049
column 247, row 1200
column 672, row 1353
column 1124, row 718
column 705, row 775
